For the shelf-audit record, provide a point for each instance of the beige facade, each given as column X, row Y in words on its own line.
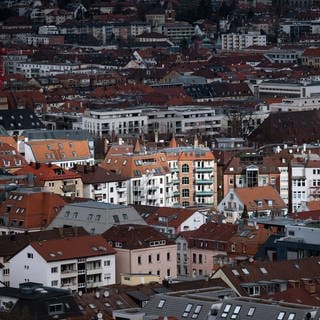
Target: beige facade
column 130, row 279
column 69, row 187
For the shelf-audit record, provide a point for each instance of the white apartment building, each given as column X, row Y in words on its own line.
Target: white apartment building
column 76, row 264
column 296, row 104
column 178, row 31
column 236, row 41
column 119, row 122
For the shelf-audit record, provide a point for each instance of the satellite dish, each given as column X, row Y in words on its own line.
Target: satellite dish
column 106, row 294
column 97, row 294
column 99, row 315
column 80, row 293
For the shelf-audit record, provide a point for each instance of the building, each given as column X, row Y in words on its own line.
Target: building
column 102, row 185
column 257, row 201
column 149, row 173
column 193, row 174
column 251, row 169
column 11, row 160
column 27, row 210
column 77, row 263
column 178, row 30
column 95, row 217
column 52, row 178
column 234, row 41
column 142, row 250
column 34, row 301
column 310, row 57
column 63, row 153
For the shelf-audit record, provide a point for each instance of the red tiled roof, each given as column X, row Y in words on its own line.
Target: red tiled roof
column 73, row 248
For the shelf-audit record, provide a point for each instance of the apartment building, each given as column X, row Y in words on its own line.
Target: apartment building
column 179, row 30
column 193, row 175
column 149, row 174
column 77, row 263
column 120, row 122
column 142, row 250
column 238, row 41
column 295, row 104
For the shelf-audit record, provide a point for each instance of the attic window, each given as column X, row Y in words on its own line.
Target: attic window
column 251, row 311
column 281, row 315
column 291, row 316
column 74, row 153
column 187, row 310
column 161, row 303
column 235, row 272
column 245, row 271
column 49, row 147
column 196, row 311
column 263, row 270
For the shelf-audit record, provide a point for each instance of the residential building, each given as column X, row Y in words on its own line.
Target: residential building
column 77, row 263
column 178, row 30
column 119, row 122
column 200, row 251
column 295, row 104
column 63, row 153
column 234, row 41
column 258, row 201
column 193, row 174
column 95, row 217
column 310, row 57
column 52, row 178
column 102, row 185
column 270, row 278
column 10, row 158
column 143, row 250
column 149, row 173
column 13, row 243
column 280, row 55
column 174, row 220
column 26, row 210
column 251, row 169
column 35, row 301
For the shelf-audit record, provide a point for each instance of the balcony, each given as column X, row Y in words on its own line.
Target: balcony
column 69, row 188
column 204, row 181
column 68, row 273
column 152, row 187
column 175, row 181
column 91, row 284
column 72, row 286
column 175, row 169
column 203, row 169
column 176, row 193
column 204, row 193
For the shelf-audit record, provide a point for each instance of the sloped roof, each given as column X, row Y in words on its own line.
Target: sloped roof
column 252, row 196
column 72, row 248
column 135, row 236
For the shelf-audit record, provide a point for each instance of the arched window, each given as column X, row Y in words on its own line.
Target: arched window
column 185, row 168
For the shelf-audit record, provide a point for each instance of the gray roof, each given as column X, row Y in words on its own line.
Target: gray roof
column 96, row 217
column 263, row 310
column 57, row 134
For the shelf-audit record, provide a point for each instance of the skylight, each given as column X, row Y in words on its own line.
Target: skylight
column 281, row 315
column 161, row 303
column 291, row 316
column 235, row 272
column 263, row 270
column 251, row 311
column 245, row 271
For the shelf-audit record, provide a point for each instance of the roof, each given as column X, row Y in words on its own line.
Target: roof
column 10, row 158
column 45, row 151
column 19, row 119
column 134, row 237
column 173, row 217
column 96, row 217
column 28, row 210
column 258, row 198
column 57, row 134
column 277, row 271
column 11, row 244
column 72, row 248
column 96, row 174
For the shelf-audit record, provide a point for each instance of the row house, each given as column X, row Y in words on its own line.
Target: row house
column 142, row 250
column 254, row 201
column 77, row 263
column 60, row 152
column 28, row 211
column 52, row 178
column 200, row 250
column 102, row 185
column 149, row 174
column 251, row 170
column 193, row 175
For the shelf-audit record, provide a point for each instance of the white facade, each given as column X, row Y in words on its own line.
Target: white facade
column 107, row 122
column 235, row 41
column 109, row 192
column 298, row 104
column 28, row 265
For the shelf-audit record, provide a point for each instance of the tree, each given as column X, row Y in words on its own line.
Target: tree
column 245, row 215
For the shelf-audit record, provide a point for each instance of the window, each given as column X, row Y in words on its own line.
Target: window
column 30, row 255
column 161, row 303
column 187, row 310
column 291, row 316
column 107, row 263
column 200, row 258
column 90, row 216
column 116, row 218
column 125, row 216
column 168, row 256
column 185, row 168
column 158, row 256
column 54, row 269
column 55, row 309
column 251, row 312
column 98, row 216
column 196, row 311
column 281, row 315
column 185, row 180
column 150, row 258
column 54, row 283
column 6, row 272
column 185, row 192
column 236, row 312
column 139, row 260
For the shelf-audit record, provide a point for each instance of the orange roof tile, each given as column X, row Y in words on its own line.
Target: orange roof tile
column 71, row 248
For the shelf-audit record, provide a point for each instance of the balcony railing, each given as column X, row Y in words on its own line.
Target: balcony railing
column 204, row 181
column 204, row 193
column 201, row 169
